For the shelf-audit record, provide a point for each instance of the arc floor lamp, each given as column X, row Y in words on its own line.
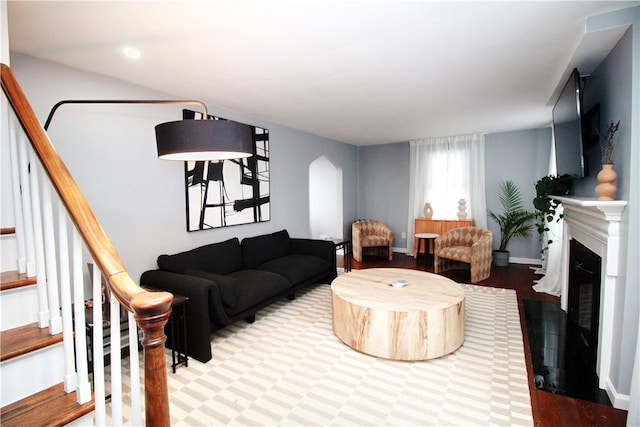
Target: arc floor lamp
column 188, row 139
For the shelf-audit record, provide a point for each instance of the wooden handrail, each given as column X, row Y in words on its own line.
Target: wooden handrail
column 152, row 309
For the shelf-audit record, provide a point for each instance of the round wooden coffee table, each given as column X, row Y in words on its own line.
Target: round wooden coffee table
column 422, row 320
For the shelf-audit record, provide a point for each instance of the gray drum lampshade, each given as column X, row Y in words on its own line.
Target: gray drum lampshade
column 203, row 140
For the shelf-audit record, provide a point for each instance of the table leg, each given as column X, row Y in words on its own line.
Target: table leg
column 430, row 254
column 173, row 341
column 426, row 252
column 420, row 244
column 184, row 335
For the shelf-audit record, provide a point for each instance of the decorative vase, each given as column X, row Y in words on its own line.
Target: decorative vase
column 462, row 209
column 606, row 190
column 428, row 211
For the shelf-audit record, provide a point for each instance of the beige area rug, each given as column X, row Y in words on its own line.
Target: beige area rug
column 288, row 369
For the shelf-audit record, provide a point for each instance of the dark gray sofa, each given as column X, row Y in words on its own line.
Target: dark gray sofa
column 232, row 280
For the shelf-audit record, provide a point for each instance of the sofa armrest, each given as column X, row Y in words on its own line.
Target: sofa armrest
column 485, row 240
column 324, row 249
column 198, row 317
column 483, row 248
column 487, row 236
column 442, row 241
column 356, row 233
column 356, row 241
column 384, row 231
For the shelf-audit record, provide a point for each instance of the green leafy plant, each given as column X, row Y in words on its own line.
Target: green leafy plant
column 606, row 143
column 515, row 221
column 545, row 206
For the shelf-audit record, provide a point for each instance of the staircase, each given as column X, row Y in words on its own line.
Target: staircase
column 44, row 286
column 25, row 349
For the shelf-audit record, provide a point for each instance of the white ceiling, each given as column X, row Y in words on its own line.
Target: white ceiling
column 361, row 72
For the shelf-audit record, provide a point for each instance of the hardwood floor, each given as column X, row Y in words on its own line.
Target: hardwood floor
column 549, row 409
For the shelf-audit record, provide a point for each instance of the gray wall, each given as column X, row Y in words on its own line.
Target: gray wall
column 383, row 181
column 522, row 157
column 383, row 184
column 612, row 85
column 140, row 201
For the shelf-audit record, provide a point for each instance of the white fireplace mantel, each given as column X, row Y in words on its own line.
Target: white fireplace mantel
column 597, row 225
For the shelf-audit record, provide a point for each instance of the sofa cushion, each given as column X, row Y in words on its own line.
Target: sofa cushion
column 260, row 249
column 222, row 258
column 372, row 241
column 456, row 253
column 297, row 268
column 226, row 284
column 255, row 286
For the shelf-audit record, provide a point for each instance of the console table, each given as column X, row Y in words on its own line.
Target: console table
column 178, row 324
column 177, row 328
column 436, row 226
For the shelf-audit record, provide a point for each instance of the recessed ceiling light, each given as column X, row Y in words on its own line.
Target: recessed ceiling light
column 131, row 52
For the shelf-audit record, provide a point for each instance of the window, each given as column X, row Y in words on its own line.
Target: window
column 443, row 171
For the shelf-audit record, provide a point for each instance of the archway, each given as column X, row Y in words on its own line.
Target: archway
column 325, row 199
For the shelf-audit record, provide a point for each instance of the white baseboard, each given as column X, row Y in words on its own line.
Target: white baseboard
column 512, row 260
column 618, row 400
column 533, row 261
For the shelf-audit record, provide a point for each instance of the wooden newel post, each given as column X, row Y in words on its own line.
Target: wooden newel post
column 151, row 316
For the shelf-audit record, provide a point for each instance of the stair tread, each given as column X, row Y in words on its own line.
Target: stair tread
column 7, row 231
column 13, row 279
column 51, row 407
column 24, row 339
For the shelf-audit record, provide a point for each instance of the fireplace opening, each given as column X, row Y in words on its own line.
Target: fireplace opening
column 564, row 345
column 584, row 304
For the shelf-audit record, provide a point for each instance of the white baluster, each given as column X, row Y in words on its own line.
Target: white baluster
column 51, row 263
column 70, row 377
column 83, row 387
column 18, row 214
column 28, row 207
column 98, row 351
column 32, row 216
column 116, row 363
column 134, row 369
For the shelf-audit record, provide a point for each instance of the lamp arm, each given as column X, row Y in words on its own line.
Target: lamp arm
column 124, row 101
column 188, row 140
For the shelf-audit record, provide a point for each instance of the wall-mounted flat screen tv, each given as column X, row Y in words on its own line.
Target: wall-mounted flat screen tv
column 567, row 128
column 591, row 151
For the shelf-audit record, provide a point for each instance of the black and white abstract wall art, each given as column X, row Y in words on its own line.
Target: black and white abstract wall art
column 229, row 192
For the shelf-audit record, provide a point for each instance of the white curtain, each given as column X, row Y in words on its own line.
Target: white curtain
column 552, row 258
column 443, row 171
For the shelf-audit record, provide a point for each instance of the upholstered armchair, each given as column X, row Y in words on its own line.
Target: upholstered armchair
column 465, row 247
column 370, row 234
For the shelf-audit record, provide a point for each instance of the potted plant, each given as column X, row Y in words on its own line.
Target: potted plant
column 545, row 206
column 606, row 143
column 514, row 221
